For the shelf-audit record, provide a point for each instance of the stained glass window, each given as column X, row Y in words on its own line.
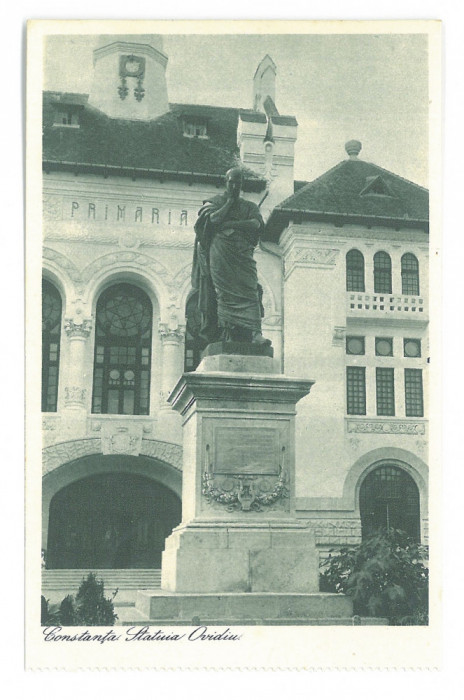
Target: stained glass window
column 51, row 332
column 410, row 274
column 389, row 497
column 354, row 271
column 382, row 273
column 121, row 380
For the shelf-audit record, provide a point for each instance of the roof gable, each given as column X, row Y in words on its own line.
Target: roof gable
column 355, row 190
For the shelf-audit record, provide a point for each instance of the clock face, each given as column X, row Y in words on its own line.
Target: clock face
column 132, row 66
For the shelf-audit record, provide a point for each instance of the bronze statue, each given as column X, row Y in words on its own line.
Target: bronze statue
column 224, row 270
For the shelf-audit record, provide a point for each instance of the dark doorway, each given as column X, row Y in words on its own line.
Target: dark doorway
column 111, row 521
column 389, row 497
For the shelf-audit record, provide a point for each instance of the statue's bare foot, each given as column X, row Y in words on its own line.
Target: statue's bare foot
column 259, row 339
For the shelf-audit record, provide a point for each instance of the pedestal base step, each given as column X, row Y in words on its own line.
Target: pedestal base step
column 243, row 608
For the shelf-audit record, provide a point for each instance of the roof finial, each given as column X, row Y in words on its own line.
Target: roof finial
column 353, row 148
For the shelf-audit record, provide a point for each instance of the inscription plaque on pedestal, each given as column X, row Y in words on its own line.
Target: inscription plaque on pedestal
column 240, row 450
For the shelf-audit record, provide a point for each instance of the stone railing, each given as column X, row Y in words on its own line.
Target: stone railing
column 359, row 303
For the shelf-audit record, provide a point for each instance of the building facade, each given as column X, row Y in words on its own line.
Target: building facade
column 343, row 265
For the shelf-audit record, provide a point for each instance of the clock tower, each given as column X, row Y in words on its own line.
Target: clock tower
column 129, row 80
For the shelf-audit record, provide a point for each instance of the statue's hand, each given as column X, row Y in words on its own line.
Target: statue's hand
column 226, row 226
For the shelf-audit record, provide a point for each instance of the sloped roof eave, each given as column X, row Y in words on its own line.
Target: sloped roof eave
column 281, row 217
column 155, row 173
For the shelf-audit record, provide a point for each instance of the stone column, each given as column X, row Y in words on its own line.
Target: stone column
column 78, row 333
column 172, row 340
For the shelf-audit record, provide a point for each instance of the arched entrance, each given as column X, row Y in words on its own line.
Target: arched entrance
column 111, row 521
column 389, row 497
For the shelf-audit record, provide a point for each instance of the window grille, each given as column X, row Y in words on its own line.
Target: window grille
column 354, row 271
column 51, row 332
column 410, row 274
column 414, row 399
column 385, row 385
column 356, row 390
column 382, row 273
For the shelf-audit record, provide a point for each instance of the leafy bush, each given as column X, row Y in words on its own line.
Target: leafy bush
column 49, row 614
column 384, row 576
column 67, row 611
column 91, row 606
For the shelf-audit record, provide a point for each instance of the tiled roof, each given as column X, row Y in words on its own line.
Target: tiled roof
column 337, row 195
column 151, row 147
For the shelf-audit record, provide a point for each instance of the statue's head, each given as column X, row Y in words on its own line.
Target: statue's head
column 234, row 182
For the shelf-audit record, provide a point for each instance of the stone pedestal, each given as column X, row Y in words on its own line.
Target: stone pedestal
column 239, row 532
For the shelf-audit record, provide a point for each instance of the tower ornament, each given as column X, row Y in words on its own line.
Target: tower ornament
column 244, row 495
column 131, row 67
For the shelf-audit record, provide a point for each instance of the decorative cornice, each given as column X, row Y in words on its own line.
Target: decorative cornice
column 78, row 330
column 384, row 427
column 194, row 387
column 302, row 256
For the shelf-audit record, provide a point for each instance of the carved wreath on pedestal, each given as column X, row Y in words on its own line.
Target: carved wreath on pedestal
column 243, row 496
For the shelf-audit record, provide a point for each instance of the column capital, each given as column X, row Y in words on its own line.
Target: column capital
column 74, row 396
column 74, row 329
column 171, row 335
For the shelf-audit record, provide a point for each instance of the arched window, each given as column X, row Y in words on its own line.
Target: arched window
column 192, row 345
column 121, row 380
column 51, row 332
column 389, row 497
column 382, row 273
column 354, row 271
column 410, row 274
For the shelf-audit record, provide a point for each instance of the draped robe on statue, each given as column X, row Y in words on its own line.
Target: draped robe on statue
column 224, row 270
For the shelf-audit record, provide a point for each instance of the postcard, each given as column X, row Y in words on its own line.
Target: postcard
column 233, row 396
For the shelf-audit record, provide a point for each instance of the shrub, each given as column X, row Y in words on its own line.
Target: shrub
column 49, row 615
column 384, row 575
column 91, row 606
column 67, row 611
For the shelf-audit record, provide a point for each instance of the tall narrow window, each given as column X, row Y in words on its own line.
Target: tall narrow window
column 413, row 393
column 121, row 380
column 51, row 331
column 385, row 385
column 410, row 274
column 354, row 271
column 356, row 391
column 382, row 273
column 389, row 497
column 192, row 345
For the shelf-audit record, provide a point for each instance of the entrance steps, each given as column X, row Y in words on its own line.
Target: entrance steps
column 58, row 583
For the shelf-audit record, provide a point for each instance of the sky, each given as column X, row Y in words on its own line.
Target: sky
column 373, row 88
